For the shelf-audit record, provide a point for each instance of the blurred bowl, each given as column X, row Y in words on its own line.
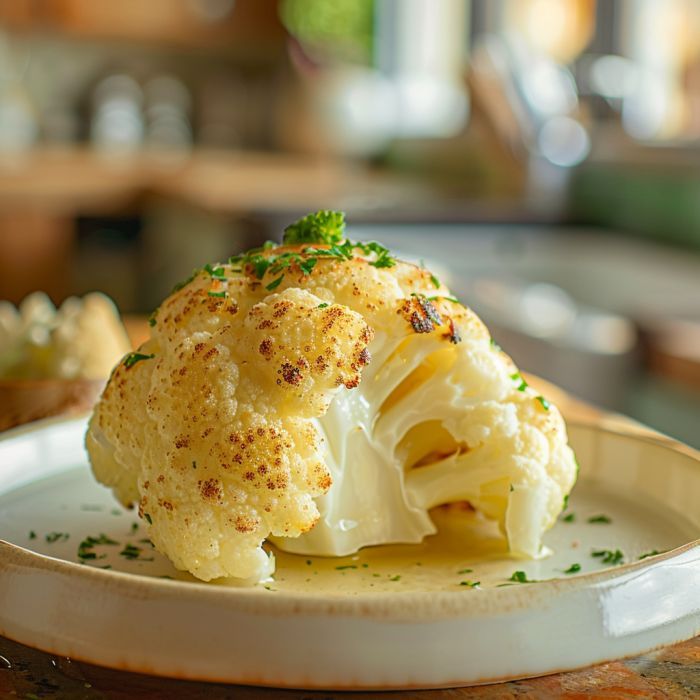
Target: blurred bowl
column 26, row 400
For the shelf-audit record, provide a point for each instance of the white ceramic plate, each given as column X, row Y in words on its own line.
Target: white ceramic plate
column 389, row 617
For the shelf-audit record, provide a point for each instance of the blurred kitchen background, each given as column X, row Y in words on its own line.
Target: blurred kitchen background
column 543, row 155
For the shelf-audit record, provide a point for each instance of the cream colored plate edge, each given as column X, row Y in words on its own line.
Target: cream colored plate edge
column 364, row 639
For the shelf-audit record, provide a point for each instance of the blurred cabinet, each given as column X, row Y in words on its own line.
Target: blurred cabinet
column 195, row 23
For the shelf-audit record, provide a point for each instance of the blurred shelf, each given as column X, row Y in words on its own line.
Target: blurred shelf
column 224, row 25
column 72, row 181
column 80, row 180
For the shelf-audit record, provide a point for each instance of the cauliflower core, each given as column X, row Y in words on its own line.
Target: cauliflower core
column 243, row 418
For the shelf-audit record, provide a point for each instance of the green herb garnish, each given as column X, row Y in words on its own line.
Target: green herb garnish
column 148, row 518
column 518, row 378
column 132, row 552
column 219, row 295
column 520, row 577
column 56, row 537
column 573, row 569
column 320, row 227
column 215, row 272
column 652, row 553
column 86, row 547
column 435, row 281
column 395, row 578
column 569, row 518
column 471, row 584
column 544, row 402
column 274, row 284
column 608, row 556
column 599, row 519
column 133, row 357
column 465, row 571
column 322, row 306
column 346, row 566
column 32, row 535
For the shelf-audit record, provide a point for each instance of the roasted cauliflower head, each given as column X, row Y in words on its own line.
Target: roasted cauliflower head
column 325, row 396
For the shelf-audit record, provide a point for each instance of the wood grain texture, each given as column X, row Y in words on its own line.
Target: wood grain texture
column 669, row 673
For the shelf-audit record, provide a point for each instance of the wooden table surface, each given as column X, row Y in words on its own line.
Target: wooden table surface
column 673, row 672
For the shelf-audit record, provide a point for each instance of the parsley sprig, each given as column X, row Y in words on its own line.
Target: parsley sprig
column 322, row 228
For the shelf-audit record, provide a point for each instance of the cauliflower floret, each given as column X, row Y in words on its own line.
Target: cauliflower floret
column 243, row 418
column 209, row 427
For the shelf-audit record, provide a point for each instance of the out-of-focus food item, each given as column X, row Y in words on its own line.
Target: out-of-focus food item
column 326, row 396
column 56, row 360
column 82, row 339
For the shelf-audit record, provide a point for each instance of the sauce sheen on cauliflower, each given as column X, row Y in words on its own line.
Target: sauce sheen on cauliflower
column 324, row 396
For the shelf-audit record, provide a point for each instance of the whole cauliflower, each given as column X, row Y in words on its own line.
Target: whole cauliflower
column 243, row 418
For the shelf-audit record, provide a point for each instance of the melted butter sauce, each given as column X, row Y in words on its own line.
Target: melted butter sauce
column 465, row 540
column 74, row 507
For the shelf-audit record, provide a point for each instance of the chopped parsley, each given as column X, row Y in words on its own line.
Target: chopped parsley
column 134, row 527
column 322, row 306
column 608, row 556
column 132, row 552
column 569, row 518
column 519, row 378
column 274, row 284
column 194, row 464
column 573, row 569
column 599, row 519
column 215, row 272
column 395, row 578
column 57, row 537
column 322, row 228
column 544, row 402
column 652, row 553
column 133, row 357
column 309, row 562
column 219, row 295
column 152, row 319
column 520, row 577
column 435, row 281
column 495, row 345
column 32, row 535
column 86, row 547
column 148, row 518
column 470, row 584
column 465, row 571
column 346, row 566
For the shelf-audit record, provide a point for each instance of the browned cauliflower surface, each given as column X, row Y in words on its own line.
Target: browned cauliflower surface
column 243, row 417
